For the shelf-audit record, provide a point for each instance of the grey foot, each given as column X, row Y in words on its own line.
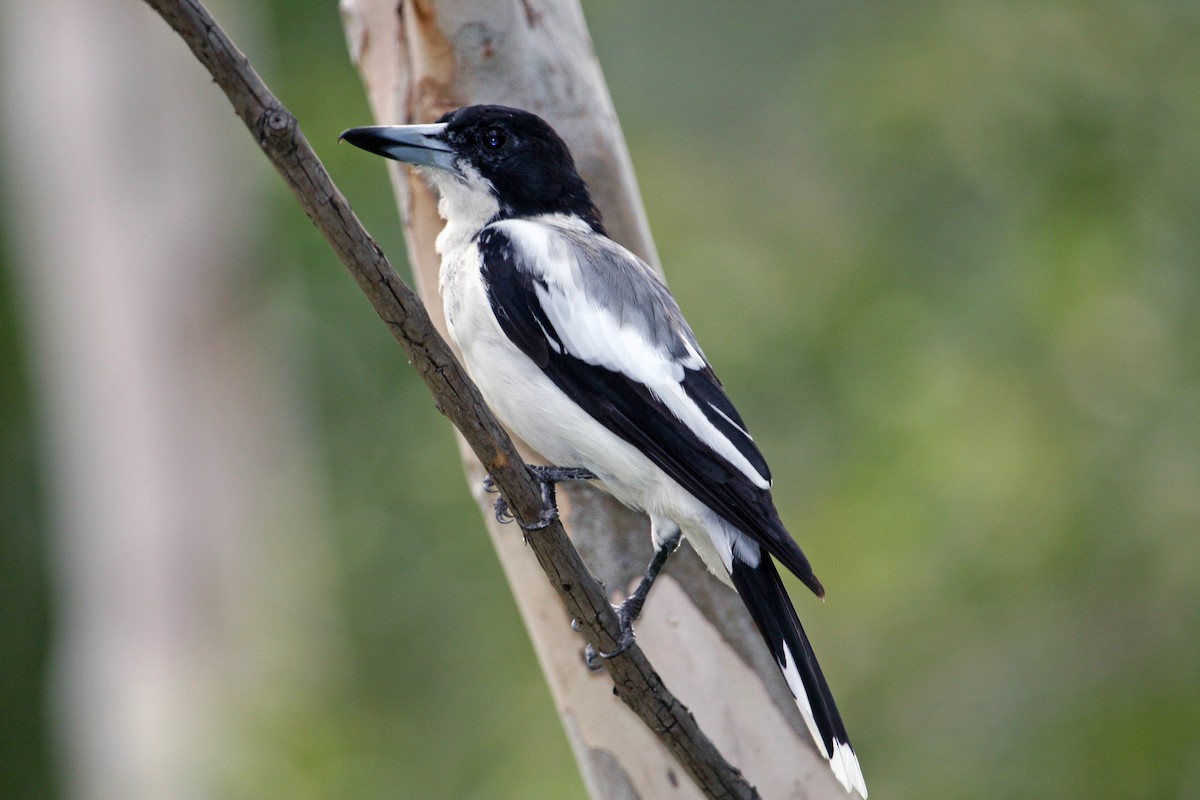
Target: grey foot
column 627, row 612
column 547, row 477
column 631, row 608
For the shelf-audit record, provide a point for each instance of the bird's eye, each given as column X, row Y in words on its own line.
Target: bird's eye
column 494, row 138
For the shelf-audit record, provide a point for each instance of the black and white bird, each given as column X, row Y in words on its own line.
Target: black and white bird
column 580, row 350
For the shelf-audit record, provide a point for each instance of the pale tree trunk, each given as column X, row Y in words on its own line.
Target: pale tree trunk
column 419, row 59
column 177, row 488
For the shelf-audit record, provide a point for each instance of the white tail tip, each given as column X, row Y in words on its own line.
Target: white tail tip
column 846, row 769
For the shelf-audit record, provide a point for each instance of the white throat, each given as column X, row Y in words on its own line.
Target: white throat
column 467, row 203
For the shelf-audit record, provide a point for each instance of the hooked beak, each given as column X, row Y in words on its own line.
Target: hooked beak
column 420, row 145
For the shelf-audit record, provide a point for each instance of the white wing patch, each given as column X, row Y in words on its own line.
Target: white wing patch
column 592, row 333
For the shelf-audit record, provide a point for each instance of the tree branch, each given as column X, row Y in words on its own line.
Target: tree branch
column 280, row 138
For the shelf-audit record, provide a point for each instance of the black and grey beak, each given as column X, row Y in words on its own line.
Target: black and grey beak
column 421, row 145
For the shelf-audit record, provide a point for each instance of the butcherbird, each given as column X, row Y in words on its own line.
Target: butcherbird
column 579, row 349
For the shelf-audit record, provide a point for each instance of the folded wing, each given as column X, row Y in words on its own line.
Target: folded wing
column 605, row 330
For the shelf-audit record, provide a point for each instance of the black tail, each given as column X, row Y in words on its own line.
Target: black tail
column 771, row 608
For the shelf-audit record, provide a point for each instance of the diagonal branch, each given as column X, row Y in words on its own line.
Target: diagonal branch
column 280, row 138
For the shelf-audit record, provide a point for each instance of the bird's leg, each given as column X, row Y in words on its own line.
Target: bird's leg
column 546, row 478
column 631, row 608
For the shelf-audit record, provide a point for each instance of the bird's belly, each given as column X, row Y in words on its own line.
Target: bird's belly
column 530, row 405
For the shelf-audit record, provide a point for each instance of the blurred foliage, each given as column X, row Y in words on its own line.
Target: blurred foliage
column 944, row 255
column 25, row 761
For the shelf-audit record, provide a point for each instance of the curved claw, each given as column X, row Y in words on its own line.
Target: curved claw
column 503, row 515
column 626, row 613
column 592, row 658
column 547, row 515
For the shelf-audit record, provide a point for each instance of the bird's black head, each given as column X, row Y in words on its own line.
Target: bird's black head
column 526, row 162
column 513, row 154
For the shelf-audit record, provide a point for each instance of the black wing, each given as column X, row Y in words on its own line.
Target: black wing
column 523, row 295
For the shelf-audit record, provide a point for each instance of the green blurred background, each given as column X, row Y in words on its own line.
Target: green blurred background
column 945, row 257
